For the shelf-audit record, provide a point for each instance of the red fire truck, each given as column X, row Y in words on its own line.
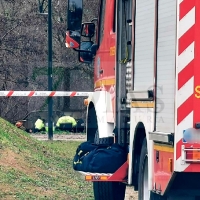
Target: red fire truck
column 146, row 59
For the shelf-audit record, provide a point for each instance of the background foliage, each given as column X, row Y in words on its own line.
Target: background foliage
column 23, row 57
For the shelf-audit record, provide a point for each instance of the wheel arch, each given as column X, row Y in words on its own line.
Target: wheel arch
column 91, row 122
column 98, row 116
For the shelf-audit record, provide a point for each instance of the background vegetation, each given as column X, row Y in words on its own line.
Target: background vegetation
column 23, row 57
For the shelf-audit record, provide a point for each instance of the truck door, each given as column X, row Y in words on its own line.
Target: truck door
column 105, row 57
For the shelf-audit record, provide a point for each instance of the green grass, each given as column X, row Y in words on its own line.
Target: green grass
column 32, row 169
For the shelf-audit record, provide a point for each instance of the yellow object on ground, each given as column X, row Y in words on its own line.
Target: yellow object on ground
column 66, row 119
column 39, row 124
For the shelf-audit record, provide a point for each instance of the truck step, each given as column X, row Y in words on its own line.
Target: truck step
column 120, row 175
column 88, row 176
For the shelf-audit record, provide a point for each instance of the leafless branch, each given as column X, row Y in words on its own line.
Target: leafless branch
column 10, row 31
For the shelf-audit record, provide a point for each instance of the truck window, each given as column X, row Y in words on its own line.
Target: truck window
column 114, row 13
column 101, row 20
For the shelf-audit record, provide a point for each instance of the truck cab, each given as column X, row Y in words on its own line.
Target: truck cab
column 95, row 44
column 99, row 34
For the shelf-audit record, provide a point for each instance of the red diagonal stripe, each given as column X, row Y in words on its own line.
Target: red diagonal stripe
column 185, row 74
column 185, row 109
column 52, row 94
column 72, row 94
column 197, row 65
column 185, row 7
column 10, row 93
column 193, row 168
column 186, row 39
column 31, row 93
column 178, row 148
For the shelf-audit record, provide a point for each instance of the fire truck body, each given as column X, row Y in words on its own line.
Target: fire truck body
column 147, row 91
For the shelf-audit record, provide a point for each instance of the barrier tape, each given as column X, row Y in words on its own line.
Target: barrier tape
column 43, row 94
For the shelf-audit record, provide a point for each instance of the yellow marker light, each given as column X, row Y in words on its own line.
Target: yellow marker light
column 104, row 178
column 88, row 178
column 170, row 164
column 112, row 51
column 196, row 155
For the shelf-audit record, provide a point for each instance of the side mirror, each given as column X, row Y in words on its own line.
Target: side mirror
column 74, row 14
column 72, row 39
column 88, row 29
column 85, row 53
column 94, row 48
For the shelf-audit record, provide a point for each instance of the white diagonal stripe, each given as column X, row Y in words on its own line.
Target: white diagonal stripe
column 185, row 124
column 179, row 167
column 185, row 57
column 180, row 1
column 186, row 22
column 185, row 92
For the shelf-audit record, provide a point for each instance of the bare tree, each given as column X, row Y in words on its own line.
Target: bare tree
column 23, row 54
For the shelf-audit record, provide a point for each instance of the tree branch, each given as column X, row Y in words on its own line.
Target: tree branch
column 10, row 31
column 9, row 51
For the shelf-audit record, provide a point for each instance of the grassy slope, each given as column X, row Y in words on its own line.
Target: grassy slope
column 31, row 169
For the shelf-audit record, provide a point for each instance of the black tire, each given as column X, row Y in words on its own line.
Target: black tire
column 157, row 197
column 142, row 167
column 97, row 140
column 143, row 160
column 107, row 190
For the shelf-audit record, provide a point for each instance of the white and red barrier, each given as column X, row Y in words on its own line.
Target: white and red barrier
column 43, row 94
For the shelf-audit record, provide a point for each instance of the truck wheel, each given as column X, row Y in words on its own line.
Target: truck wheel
column 157, row 197
column 107, row 190
column 97, row 140
column 144, row 193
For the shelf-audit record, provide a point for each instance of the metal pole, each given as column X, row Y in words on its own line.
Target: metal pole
column 50, row 77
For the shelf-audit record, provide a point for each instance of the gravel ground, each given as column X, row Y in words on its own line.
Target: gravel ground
column 77, row 137
column 130, row 193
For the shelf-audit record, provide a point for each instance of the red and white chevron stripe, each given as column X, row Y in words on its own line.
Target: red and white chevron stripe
column 43, row 93
column 187, row 73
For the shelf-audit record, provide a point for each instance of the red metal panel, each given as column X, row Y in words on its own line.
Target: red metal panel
column 121, row 174
column 105, row 57
column 162, row 170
